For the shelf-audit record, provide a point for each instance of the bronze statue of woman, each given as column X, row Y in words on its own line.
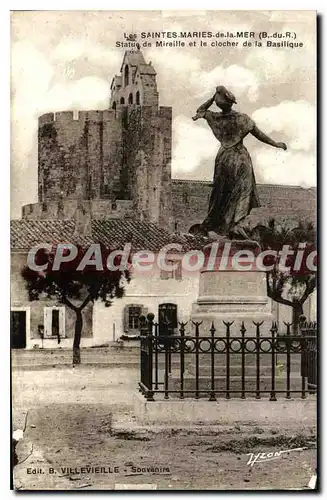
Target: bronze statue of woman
column 234, row 192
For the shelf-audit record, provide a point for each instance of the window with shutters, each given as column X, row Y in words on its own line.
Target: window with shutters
column 54, row 322
column 132, row 313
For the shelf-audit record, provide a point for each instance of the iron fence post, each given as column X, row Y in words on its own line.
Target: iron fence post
column 243, row 330
column 156, row 356
column 143, row 331
column 257, row 336
column 273, row 361
column 288, row 342
column 197, row 334
column 182, row 360
column 170, row 331
column 228, row 324
column 212, row 345
column 304, row 359
column 149, row 339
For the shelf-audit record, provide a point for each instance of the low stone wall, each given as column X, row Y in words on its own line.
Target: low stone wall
column 292, row 412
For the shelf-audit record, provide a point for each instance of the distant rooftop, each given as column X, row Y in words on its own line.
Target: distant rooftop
column 112, row 233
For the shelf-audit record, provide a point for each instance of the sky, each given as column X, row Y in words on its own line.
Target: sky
column 65, row 60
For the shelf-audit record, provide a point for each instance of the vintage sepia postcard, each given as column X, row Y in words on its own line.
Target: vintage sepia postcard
column 163, row 250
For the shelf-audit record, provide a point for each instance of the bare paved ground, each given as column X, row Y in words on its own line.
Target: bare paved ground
column 69, row 425
column 83, row 384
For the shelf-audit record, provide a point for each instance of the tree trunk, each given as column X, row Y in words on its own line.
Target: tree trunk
column 78, row 326
column 297, row 312
column 77, row 337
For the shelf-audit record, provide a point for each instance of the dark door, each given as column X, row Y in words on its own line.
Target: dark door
column 18, row 329
column 167, row 318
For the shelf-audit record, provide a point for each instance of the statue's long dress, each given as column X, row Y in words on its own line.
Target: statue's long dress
column 234, row 192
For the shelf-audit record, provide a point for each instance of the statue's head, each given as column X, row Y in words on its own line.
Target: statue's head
column 224, row 99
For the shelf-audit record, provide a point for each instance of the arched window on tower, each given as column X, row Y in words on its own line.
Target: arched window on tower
column 126, row 75
column 114, row 105
column 137, row 97
column 130, row 99
column 122, row 100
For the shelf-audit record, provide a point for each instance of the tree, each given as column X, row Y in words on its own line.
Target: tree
column 289, row 287
column 75, row 273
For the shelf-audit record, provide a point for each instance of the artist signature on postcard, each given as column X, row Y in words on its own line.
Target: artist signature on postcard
column 266, row 457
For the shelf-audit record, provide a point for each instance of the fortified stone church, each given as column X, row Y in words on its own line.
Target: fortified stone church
column 105, row 176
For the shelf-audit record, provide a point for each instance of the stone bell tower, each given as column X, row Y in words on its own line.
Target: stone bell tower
column 146, row 138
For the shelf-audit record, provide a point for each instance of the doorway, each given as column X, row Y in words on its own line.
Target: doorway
column 167, row 314
column 18, row 325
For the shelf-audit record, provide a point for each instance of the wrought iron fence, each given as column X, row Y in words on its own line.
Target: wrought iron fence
column 192, row 365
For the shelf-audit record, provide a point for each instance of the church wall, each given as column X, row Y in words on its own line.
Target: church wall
column 66, row 209
column 62, row 156
column 147, row 159
column 190, row 202
column 122, row 154
column 79, row 155
column 112, row 156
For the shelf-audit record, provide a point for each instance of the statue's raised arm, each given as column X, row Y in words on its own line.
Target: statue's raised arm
column 200, row 112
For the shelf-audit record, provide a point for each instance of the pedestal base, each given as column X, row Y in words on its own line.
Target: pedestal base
column 233, row 295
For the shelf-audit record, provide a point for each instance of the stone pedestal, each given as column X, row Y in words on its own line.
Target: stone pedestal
column 228, row 293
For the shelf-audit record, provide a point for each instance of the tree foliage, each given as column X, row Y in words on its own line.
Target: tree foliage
column 289, row 287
